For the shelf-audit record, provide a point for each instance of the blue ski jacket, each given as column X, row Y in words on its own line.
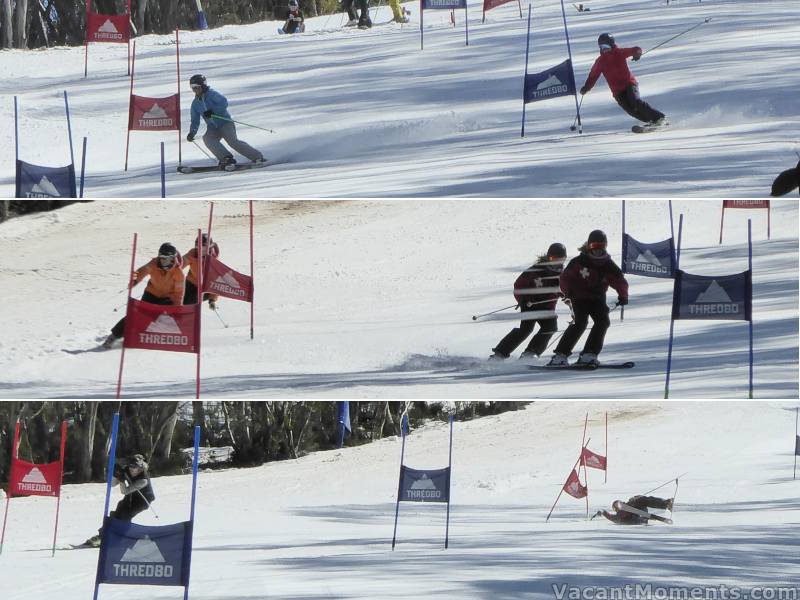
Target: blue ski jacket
column 209, row 100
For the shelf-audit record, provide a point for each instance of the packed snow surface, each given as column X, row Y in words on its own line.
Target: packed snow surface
column 368, row 114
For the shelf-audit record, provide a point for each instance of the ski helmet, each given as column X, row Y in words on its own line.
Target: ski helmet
column 203, row 239
column 198, row 80
column 167, row 255
column 606, row 39
column 137, row 460
column 293, row 5
column 556, row 250
column 597, row 240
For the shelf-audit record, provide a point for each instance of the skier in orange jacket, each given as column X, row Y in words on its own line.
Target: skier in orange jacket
column 190, row 260
column 165, row 286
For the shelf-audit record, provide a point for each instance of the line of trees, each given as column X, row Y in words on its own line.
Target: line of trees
column 39, row 23
column 257, row 431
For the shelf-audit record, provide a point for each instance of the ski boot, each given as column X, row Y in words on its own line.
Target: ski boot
column 93, row 542
column 109, row 342
column 528, row 355
column 558, row 360
column 589, row 359
column 351, row 23
column 498, row 356
column 364, row 23
column 227, row 164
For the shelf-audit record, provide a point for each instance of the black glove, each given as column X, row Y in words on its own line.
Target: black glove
column 622, row 301
column 636, row 57
column 190, row 137
column 584, row 90
column 212, row 304
column 208, row 114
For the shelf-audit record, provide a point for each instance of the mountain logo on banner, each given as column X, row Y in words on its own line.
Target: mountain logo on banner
column 551, row 82
column 715, row 300
column 43, row 189
column 143, row 559
column 424, row 488
column 107, row 31
column 34, row 481
column 574, row 488
column 649, row 262
column 227, row 284
column 156, row 117
column 164, row 330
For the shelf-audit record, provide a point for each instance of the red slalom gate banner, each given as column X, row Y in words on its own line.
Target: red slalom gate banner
column 155, row 114
column 220, row 279
column 490, row 4
column 592, row 460
column 162, row 327
column 574, row 487
column 35, row 479
column 114, row 29
column 744, row 204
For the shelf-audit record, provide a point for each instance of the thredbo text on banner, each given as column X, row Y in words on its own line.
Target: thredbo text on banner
column 101, row 28
column 222, row 280
column 746, row 204
column 157, row 327
column 441, row 5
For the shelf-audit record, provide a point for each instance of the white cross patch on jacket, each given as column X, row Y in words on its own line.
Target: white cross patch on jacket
column 584, row 273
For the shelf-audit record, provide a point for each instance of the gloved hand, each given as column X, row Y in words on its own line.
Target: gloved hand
column 584, row 90
column 637, row 56
column 212, row 304
column 622, row 301
column 207, row 114
column 190, row 137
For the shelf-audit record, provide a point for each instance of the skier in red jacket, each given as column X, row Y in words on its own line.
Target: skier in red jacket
column 584, row 283
column 612, row 64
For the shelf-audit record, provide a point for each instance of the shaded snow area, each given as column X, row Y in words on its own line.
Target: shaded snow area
column 320, row 527
column 367, row 114
column 375, row 299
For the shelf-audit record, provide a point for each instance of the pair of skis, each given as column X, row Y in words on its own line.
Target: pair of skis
column 651, row 516
column 585, row 366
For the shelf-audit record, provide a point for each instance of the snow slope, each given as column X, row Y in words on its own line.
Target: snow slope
column 367, row 114
column 321, row 526
column 375, row 299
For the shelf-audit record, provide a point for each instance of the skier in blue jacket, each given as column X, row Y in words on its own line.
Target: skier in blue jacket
column 213, row 107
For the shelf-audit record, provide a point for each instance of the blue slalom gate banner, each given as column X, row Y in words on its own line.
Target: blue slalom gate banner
column 423, row 485
column 700, row 297
column 717, row 298
column 554, row 82
column 34, row 181
column 648, row 260
column 441, row 5
column 133, row 554
column 551, row 83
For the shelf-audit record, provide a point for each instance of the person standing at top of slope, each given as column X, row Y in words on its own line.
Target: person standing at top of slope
column 622, row 517
column 294, row 20
column 134, row 482
column 584, row 283
column 190, row 260
column 612, row 64
column 213, row 107
column 165, row 286
column 535, row 289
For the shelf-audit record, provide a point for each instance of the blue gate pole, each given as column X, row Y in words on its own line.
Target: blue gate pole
column 622, row 258
column 449, row 475
column 195, row 463
column 403, row 421
column 678, row 250
column 83, row 167
column 466, row 23
column 671, row 316
column 112, row 454
column 69, row 131
column 421, row 30
column 750, row 299
column 525, row 78
column 572, row 67
column 163, row 174
column 16, row 133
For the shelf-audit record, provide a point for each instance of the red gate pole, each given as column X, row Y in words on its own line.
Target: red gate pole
column 61, row 481
column 722, row 221
column 180, row 135
column 130, row 67
column 128, row 303
column 210, row 219
column 252, row 276
column 130, row 107
column 769, row 204
column 606, row 472
column 10, row 479
column 199, row 315
column 86, row 41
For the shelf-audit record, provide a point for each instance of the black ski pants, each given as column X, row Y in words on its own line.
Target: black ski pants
column 645, row 502
column 632, row 103
column 362, row 5
column 582, row 310
column 190, row 293
column 119, row 329
column 538, row 343
column 130, row 506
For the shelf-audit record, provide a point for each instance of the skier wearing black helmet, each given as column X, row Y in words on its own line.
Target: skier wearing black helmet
column 213, row 108
column 294, row 20
column 536, row 289
column 612, row 64
column 165, row 285
column 134, row 482
column 584, row 283
column 208, row 248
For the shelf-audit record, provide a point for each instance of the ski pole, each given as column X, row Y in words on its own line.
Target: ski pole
column 665, row 483
column 476, row 317
column 241, row 123
column 203, row 150
column 574, row 125
column 150, row 506
column 219, row 316
column 703, row 22
column 116, row 309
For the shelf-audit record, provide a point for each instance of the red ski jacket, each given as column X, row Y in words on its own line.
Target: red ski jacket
column 613, row 66
column 588, row 278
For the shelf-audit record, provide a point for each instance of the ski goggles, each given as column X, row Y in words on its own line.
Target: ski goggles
column 604, row 47
column 196, row 86
column 166, row 259
column 597, row 245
